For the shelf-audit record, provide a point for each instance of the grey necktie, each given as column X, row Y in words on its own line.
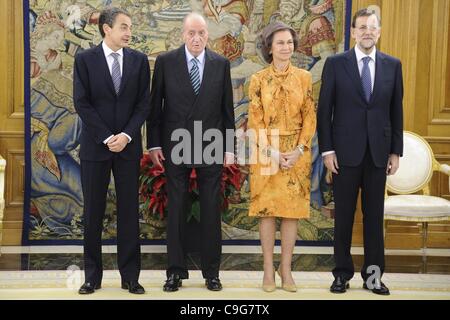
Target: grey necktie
column 366, row 79
column 115, row 72
column 195, row 76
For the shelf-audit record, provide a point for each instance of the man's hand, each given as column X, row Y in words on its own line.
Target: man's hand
column 228, row 160
column 393, row 164
column 117, row 143
column 330, row 161
column 157, row 157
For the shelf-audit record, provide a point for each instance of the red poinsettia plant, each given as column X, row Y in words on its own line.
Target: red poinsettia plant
column 153, row 195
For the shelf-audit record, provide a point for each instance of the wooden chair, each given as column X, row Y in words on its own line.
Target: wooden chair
column 416, row 170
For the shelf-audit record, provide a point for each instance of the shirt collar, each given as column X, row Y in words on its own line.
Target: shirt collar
column 189, row 56
column 107, row 50
column 360, row 55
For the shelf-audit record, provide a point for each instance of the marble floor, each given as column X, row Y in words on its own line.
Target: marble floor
column 234, row 258
column 55, row 272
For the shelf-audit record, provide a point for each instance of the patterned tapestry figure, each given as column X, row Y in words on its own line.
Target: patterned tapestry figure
column 234, row 26
column 56, row 199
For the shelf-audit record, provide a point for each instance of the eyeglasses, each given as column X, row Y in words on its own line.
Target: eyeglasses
column 365, row 28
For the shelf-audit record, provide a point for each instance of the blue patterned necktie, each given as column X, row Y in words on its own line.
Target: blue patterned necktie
column 115, row 72
column 366, row 79
column 194, row 74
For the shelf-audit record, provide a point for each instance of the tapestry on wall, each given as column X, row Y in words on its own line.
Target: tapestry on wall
column 58, row 30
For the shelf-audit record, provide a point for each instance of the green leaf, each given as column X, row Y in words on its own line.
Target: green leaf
column 195, row 211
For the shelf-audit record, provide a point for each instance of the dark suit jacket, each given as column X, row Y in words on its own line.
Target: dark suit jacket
column 104, row 113
column 175, row 106
column 346, row 122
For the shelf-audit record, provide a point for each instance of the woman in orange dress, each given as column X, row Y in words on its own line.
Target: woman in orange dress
column 281, row 123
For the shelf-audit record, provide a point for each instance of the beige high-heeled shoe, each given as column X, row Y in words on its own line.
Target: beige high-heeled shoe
column 286, row 287
column 270, row 287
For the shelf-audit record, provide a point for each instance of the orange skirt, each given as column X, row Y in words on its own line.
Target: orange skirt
column 283, row 193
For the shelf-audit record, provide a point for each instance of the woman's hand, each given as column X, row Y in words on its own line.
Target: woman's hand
column 291, row 158
column 277, row 157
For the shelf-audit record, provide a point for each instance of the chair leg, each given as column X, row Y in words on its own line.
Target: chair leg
column 424, row 245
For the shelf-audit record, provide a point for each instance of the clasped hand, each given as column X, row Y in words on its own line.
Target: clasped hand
column 286, row 160
column 117, row 143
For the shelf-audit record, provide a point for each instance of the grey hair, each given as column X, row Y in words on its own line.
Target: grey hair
column 193, row 15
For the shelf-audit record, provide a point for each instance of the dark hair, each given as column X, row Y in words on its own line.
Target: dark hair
column 267, row 42
column 364, row 13
column 108, row 16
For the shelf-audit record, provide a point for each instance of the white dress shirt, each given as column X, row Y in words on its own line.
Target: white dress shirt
column 107, row 51
column 359, row 58
column 200, row 63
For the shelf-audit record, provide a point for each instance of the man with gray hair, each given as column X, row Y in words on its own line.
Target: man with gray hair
column 192, row 92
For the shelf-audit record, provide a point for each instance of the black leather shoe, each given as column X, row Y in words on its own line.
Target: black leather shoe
column 340, row 285
column 213, row 284
column 378, row 288
column 173, row 282
column 133, row 287
column 88, row 288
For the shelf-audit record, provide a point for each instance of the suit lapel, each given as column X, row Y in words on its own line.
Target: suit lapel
column 183, row 74
column 352, row 69
column 378, row 76
column 127, row 67
column 104, row 69
column 208, row 71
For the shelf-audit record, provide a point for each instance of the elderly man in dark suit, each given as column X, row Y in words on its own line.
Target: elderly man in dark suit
column 360, row 128
column 112, row 97
column 192, row 97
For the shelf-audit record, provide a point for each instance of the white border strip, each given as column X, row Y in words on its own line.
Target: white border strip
column 225, row 249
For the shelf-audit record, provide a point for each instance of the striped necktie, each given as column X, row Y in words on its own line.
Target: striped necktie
column 115, row 72
column 366, row 79
column 194, row 75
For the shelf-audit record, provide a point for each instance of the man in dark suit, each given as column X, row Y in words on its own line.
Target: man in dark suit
column 192, row 97
column 360, row 128
column 112, row 97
